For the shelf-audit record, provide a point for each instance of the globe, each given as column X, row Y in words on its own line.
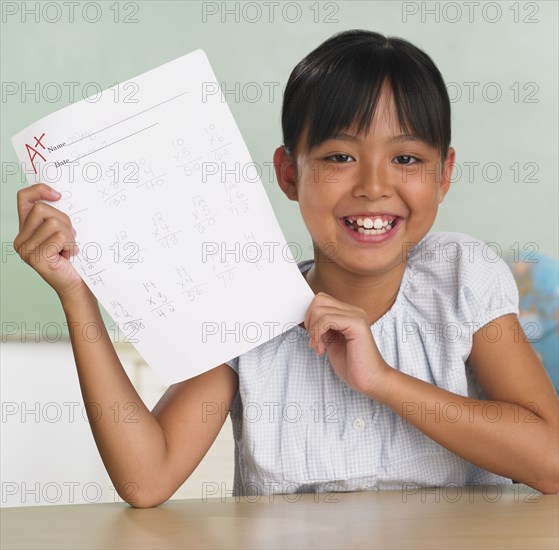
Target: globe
column 537, row 278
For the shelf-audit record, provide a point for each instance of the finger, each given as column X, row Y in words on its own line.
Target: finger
column 317, row 300
column 40, row 214
column 51, row 251
column 338, row 322
column 331, row 336
column 47, row 244
column 322, row 299
column 320, row 324
column 317, row 311
column 314, row 314
column 28, row 196
column 328, row 326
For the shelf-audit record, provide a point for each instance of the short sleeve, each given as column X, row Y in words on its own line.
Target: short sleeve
column 489, row 289
column 234, row 364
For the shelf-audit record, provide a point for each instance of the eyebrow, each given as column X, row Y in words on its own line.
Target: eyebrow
column 394, row 139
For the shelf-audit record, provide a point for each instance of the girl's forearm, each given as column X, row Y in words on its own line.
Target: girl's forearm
column 505, row 438
column 129, row 438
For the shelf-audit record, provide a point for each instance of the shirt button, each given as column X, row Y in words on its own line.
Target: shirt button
column 359, row 424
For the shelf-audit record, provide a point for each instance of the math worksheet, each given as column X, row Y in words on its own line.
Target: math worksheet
column 177, row 238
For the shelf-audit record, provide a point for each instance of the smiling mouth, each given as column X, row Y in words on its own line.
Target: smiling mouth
column 376, row 225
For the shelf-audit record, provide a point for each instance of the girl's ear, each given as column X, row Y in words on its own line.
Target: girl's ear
column 286, row 172
column 446, row 173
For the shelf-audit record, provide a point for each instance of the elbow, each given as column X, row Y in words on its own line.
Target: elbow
column 145, row 504
column 145, row 501
column 548, row 486
column 549, row 483
column 543, row 475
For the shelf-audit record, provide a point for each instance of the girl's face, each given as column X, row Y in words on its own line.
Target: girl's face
column 367, row 200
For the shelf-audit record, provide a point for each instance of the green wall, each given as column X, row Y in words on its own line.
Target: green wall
column 503, row 46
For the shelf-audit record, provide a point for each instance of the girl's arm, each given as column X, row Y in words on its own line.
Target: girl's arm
column 514, row 433
column 147, row 455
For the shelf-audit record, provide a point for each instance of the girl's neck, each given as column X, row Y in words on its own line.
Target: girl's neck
column 375, row 294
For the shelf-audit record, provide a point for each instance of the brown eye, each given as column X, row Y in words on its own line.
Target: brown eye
column 406, row 159
column 339, row 158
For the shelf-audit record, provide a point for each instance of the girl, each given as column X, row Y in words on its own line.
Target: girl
column 410, row 368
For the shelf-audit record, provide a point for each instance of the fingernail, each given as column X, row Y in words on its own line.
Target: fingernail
column 74, row 232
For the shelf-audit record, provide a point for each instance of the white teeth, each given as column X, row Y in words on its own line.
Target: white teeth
column 371, row 226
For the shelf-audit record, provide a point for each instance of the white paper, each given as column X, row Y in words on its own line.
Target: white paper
column 178, row 240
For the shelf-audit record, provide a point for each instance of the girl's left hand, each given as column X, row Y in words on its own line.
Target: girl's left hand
column 344, row 332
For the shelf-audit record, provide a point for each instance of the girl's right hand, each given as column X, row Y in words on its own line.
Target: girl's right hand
column 46, row 240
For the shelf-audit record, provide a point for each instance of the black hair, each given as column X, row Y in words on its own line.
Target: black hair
column 339, row 83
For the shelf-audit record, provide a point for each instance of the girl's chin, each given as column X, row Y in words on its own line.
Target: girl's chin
column 361, row 262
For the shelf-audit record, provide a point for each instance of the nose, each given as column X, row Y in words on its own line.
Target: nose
column 372, row 182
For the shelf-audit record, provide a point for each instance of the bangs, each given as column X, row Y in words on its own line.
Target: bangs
column 339, row 84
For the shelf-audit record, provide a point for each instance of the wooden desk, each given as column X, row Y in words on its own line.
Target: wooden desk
column 434, row 518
